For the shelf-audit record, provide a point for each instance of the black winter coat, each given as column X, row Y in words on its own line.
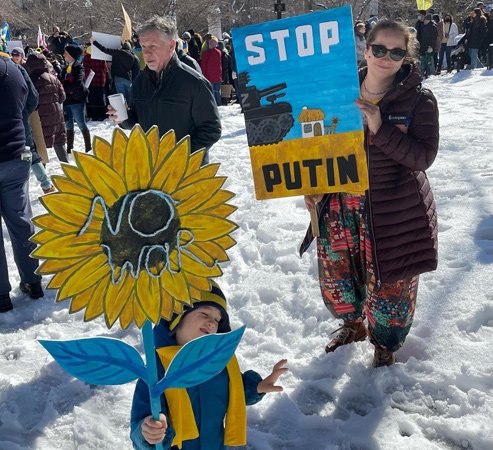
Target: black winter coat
column 401, row 208
column 181, row 99
column 476, row 31
column 122, row 61
column 429, row 36
column 13, row 92
column 73, row 84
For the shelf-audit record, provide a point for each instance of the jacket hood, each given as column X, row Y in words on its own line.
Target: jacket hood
column 36, row 64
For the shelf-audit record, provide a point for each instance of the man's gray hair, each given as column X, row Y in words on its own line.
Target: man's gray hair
column 165, row 25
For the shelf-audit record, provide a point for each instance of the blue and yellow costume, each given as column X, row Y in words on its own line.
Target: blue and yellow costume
column 209, row 416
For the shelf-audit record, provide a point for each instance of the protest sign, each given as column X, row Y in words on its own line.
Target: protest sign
column 298, row 81
column 108, row 41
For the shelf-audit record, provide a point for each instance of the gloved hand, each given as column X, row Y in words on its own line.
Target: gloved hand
column 430, row 50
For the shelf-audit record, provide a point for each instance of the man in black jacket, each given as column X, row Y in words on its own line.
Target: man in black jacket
column 170, row 94
column 15, row 164
column 122, row 63
column 58, row 40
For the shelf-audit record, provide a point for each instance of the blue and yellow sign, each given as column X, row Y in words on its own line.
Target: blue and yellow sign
column 298, row 82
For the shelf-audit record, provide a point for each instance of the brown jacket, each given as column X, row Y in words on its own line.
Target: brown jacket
column 402, row 211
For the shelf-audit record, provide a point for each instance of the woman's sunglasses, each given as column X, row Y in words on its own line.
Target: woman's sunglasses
column 379, row 51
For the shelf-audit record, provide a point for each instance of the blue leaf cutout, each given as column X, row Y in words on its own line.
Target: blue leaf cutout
column 97, row 360
column 200, row 360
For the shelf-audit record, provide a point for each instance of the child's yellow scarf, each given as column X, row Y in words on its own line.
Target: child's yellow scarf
column 180, row 408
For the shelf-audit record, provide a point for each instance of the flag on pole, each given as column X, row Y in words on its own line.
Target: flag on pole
column 127, row 29
column 424, row 4
column 41, row 39
column 5, row 35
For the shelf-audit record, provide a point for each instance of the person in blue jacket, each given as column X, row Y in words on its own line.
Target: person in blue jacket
column 211, row 415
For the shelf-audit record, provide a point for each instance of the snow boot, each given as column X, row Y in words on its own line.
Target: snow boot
column 87, row 139
column 70, row 141
column 349, row 332
column 382, row 357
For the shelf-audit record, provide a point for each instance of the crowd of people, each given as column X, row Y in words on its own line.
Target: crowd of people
column 372, row 248
column 442, row 43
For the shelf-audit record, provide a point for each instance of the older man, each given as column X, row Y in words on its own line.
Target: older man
column 169, row 94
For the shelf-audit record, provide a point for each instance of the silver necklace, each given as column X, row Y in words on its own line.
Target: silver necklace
column 375, row 93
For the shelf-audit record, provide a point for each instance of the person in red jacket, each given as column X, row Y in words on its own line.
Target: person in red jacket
column 212, row 67
column 373, row 247
column 96, row 103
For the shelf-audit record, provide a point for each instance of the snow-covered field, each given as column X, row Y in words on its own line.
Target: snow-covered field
column 439, row 395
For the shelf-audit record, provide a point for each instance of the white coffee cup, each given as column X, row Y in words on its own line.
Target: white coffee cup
column 117, row 101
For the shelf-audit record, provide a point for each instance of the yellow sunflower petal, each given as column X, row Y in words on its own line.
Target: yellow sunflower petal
column 224, row 210
column 68, row 186
column 127, row 315
column 104, row 180
column 116, row 297
column 85, row 276
column 195, row 293
column 212, row 249
column 119, row 145
column 218, row 198
column 74, row 174
column 199, row 252
column 166, row 145
column 60, row 277
column 80, row 301
column 199, row 283
column 194, row 163
column 95, row 306
column 166, row 305
column 195, row 195
column 208, row 171
column 205, row 227
column 170, row 172
column 225, row 242
column 191, row 265
column 152, row 136
column 178, row 307
column 102, row 150
column 149, row 296
column 70, row 246
column 139, row 315
column 138, row 161
column 49, row 266
column 70, row 208
column 60, row 226
column 176, row 284
column 43, row 237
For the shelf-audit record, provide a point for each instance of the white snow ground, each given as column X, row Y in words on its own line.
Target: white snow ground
column 438, row 396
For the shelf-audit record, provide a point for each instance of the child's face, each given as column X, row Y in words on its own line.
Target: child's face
column 199, row 322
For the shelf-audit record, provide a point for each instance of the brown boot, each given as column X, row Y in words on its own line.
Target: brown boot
column 70, row 141
column 348, row 333
column 382, row 357
column 87, row 139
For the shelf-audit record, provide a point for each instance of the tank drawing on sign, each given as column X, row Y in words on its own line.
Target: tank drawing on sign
column 312, row 123
column 265, row 124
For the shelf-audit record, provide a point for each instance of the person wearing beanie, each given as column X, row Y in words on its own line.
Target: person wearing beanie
column 73, row 79
column 210, row 415
column 18, row 55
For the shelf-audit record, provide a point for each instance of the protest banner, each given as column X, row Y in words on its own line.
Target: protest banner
column 108, row 41
column 298, row 81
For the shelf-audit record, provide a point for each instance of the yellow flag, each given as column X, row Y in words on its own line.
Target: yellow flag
column 127, row 29
column 424, row 4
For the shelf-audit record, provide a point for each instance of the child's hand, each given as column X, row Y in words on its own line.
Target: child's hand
column 153, row 430
column 268, row 383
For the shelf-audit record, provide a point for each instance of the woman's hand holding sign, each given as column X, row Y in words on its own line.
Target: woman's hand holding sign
column 371, row 113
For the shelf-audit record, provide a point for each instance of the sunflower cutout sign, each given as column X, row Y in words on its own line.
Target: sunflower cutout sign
column 135, row 233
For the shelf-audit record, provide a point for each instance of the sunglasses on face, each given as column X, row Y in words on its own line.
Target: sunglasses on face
column 379, row 51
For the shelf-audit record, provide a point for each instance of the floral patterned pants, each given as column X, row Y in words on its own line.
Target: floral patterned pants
column 347, row 275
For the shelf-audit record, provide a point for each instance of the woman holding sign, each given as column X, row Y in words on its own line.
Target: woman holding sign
column 372, row 248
